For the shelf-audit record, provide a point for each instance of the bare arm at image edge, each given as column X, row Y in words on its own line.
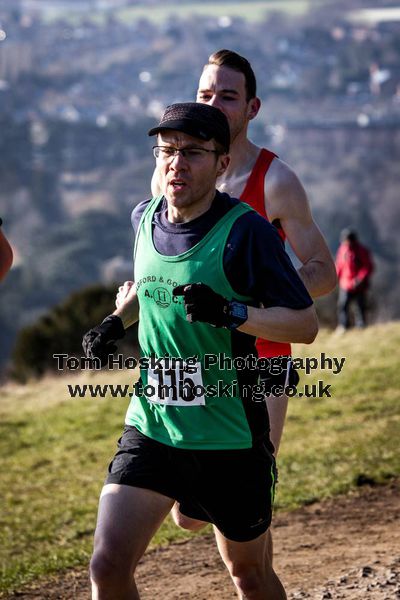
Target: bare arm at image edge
column 6, row 255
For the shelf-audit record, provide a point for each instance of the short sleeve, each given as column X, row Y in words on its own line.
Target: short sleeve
column 256, row 264
column 137, row 213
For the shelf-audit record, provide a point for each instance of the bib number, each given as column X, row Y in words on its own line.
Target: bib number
column 177, row 385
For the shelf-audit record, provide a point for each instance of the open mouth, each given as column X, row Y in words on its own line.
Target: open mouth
column 178, row 184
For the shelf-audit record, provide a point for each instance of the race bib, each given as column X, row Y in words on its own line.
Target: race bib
column 179, row 385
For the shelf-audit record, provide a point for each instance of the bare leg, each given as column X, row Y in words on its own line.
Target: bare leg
column 186, row 522
column 128, row 518
column 250, row 567
column 277, row 408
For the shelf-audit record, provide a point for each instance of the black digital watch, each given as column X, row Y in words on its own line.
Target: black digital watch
column 237, row 314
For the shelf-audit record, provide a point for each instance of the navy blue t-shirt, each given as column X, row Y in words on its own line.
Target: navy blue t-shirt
column 255, row 260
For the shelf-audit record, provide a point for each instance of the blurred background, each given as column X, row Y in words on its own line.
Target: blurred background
column 81, row 82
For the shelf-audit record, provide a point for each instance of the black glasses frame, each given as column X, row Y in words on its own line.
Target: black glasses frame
column 183, row 151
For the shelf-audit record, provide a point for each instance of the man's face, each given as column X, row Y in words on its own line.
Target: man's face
column 187, row 180
column 225, row 89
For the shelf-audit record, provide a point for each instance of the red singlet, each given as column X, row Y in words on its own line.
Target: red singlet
column 253, row 194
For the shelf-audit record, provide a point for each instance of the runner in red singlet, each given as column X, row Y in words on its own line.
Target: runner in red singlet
column 260, row 178
column 253, row 194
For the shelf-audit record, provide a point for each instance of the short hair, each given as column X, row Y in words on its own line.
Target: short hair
column 232, row 60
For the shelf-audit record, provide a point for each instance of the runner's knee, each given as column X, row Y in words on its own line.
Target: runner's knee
column 102, row 568
column 257, row 581
column 106, row 571
column 249, row 579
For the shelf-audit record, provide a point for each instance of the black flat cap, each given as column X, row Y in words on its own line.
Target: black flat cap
column 199, row 120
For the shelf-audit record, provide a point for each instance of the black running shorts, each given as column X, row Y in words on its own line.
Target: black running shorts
column 233, row 489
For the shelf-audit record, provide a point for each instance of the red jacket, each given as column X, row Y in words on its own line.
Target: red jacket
column 353, row 266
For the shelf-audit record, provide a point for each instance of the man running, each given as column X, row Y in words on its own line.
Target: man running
column 185, row 439
column 259, row 178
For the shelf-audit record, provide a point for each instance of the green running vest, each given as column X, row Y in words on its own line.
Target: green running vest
column 179, row 414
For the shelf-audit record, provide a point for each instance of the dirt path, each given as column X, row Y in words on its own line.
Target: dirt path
column 347, row 548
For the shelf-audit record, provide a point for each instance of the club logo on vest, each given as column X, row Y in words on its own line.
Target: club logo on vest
column 162, row 297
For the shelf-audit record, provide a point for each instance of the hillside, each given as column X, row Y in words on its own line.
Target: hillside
column 55, row 448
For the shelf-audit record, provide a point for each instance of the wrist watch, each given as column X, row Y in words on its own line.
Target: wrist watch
column 237, row 314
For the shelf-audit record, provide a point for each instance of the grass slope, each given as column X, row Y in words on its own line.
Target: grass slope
column 55, row 450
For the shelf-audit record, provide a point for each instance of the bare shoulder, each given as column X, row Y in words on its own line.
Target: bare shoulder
column 285, row 196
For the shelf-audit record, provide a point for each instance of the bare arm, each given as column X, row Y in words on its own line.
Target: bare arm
column 287, row 201
column 282, row 324
column 277, row 324
column 127, row 304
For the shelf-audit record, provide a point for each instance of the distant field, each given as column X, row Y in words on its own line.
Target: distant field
column 251, row 11
column 55, row 450
column 373, row 16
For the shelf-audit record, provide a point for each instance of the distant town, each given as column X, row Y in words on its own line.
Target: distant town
column 98, row 66
column 82, row 82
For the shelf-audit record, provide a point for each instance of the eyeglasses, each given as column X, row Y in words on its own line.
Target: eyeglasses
column 191, row 153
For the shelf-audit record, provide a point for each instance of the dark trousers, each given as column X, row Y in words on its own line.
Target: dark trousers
column 345, row 300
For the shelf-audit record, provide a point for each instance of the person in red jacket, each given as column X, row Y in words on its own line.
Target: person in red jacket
column 354, row 268
column 6, row 255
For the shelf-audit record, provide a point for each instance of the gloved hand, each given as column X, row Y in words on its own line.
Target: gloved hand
column 203, row 304
column 99, row 341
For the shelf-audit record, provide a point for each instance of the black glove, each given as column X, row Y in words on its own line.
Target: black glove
column 99, row 341
column 203, row 304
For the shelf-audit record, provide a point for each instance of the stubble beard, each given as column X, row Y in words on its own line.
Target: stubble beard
column 237, row 130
